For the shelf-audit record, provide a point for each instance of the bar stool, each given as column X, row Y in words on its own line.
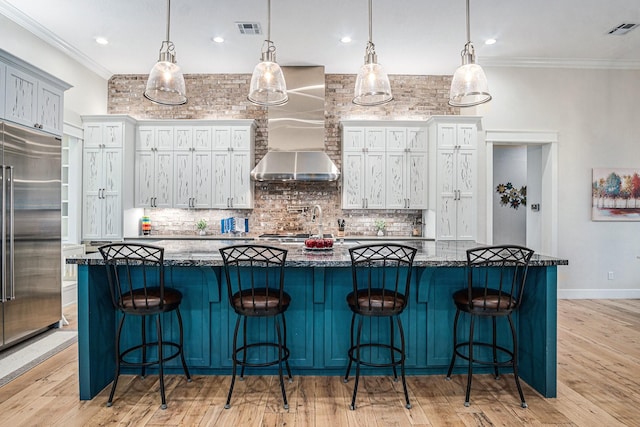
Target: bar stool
column 136, row 280
column 496, row 277
column 255, row 284
column 381, row 281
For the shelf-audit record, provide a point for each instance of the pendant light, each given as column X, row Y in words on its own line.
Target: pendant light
column 372, row 83
column 469, row 85
column 268, row 86
column 166, row 82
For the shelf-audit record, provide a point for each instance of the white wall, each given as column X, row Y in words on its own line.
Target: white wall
column 509, row 166
column 89, row 92
column 597, row 116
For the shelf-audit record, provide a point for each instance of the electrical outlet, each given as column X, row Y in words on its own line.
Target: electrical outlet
column 611, row 275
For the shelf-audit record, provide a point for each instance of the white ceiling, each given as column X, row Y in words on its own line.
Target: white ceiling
column 411, row 36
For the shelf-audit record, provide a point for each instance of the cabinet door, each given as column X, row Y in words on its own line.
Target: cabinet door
column 446, row 195
column 163, row 138
column 396, row 191
column 183, row 138
column 375, row 139
column 93, row 135
column 145, row 179
column 3, row 73
column 145, row 139
column 417, row 139
column 112, row 135
column 353, row 139
column 221, row 179
column 353, row 180
column 221, row 138
column 396, row 139
column 465, row 181
column 50, row 102
column 202, row 138
column 163, row 169
column 241, row 194
column 92, row 193
column 112, row 194
column 447, row 135
column 21, row 97
column 202, row 180
column 182, row 174
column 240, row 138
column 417, row 175
column 374, row 176
column 467, row 136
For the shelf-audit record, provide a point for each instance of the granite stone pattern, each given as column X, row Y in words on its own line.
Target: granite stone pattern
column 205, row 253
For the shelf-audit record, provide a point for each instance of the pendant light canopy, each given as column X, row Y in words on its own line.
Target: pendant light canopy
column 372, row 83
column 166, row 82
column 268, row 86
column 469, row 85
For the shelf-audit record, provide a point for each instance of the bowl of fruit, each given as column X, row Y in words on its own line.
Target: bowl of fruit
column 318, row 244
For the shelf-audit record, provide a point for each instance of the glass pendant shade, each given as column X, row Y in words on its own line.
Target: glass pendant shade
column 268, row 86
column 372, row 86
column 469, row 86
column 166, row 82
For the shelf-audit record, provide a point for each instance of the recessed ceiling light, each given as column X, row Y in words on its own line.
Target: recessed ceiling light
column 218, row 39
column 346, row 39
column 490, row 41
column 102, row 40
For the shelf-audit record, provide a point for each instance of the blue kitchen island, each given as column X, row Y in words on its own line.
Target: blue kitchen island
column 318, row 319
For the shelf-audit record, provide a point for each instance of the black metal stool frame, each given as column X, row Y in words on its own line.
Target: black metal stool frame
column 381, row 281
column 496, row 276
column 142, row 295
column 255, row 285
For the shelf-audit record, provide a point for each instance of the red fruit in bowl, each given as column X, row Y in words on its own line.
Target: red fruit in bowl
column 308, row 243
column 328, row 243
column 320, row 243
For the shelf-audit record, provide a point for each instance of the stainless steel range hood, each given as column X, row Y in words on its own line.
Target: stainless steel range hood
column 296, row 132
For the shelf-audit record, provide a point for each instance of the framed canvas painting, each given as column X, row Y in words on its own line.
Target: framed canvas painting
column 615, row 194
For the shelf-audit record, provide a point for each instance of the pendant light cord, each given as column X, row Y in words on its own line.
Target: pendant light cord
column 370, row 14
column 269, row 20
column 168, row 18
column 468, row 24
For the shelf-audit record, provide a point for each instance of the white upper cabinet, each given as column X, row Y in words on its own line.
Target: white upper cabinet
column 455, row 152
column 192, row 167
column 106, row 171
column 232, row 163
column 30, row 97
column 154, row 166
column 384, row 165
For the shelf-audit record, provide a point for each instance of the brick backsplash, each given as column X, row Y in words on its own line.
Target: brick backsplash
column 284, row 206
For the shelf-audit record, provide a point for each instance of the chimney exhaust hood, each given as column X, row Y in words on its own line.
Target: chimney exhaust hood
column 296, row 132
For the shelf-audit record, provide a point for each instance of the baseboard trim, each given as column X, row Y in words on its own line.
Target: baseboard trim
column 598, row 293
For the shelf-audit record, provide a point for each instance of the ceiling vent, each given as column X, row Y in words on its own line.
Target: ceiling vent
column 249, row 28
column 622, row 29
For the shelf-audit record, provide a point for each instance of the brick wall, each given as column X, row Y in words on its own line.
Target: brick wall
column 282, row 206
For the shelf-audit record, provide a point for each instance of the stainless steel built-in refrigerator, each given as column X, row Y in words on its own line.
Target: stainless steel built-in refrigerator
column 30, row 247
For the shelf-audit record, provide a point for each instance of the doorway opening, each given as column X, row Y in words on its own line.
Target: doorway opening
column 522, row 164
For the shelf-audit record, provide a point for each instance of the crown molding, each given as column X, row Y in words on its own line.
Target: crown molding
column 44, row 34
column 600, row 64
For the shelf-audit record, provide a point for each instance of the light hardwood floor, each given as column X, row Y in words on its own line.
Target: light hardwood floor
column 598, row 385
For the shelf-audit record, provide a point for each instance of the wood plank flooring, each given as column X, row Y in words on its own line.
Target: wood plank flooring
column 598, row 385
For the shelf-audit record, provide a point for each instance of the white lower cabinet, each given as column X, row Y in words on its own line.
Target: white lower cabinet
column 107, row 172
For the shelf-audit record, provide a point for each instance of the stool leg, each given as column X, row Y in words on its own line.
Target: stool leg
column 346, row 375
column 455, row 343
column 515, row 362
column 184, row 363
column 392, row 344
column 244, row 343
column 357, row 358
column 117, row 373
column 160, row 362
column 470, row 372
column 144, row 346
column 495, row 350
column 402, row 355
column 234, row 356
column 279, row 335
column 286, row 362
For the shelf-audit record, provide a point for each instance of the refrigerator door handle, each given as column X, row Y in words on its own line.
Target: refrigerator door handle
column 12, row 282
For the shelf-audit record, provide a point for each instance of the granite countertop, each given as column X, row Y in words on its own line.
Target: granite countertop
column 205, row 252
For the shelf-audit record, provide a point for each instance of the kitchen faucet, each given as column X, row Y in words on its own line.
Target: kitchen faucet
column 317, row 209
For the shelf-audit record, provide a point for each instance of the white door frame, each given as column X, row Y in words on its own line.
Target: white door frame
column 549, row 202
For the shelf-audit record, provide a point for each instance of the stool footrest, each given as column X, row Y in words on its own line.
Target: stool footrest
column 503, row 350
column 244, row 348
column 173, row 355
column 352, row 355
